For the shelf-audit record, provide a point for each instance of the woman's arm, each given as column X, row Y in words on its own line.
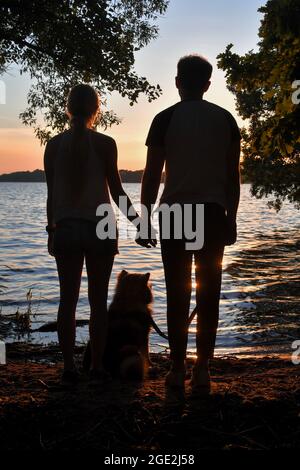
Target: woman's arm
column 48, row 167
column 117, row 191
column 115, row 185
column 49, row 173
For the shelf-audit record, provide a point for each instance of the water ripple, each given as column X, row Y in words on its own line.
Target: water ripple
column 259, row 305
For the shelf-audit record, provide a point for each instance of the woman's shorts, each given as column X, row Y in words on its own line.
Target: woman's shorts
column 75, row 236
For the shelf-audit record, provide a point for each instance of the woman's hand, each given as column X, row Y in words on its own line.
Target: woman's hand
column 50, row 243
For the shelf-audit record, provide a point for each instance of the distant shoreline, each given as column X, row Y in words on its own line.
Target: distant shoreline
column 38, row 176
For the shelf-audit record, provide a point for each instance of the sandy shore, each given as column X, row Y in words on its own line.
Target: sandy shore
column 255, row 404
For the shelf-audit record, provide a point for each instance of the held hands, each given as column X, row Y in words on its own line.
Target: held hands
column 149, row 240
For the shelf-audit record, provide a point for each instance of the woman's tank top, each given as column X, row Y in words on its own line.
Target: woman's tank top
column 69, row 202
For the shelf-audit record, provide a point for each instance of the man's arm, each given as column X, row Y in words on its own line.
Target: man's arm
column 151, row 178
column 233, row 188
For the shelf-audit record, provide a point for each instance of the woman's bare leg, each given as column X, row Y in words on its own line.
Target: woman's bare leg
column 98, row 270
column 69, row 269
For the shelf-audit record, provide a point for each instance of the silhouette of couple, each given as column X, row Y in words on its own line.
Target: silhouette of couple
column 198, row 142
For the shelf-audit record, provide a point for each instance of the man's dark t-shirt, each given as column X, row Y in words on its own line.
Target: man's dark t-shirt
column 196, row 136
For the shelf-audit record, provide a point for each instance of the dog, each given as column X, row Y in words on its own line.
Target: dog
column 126, row 353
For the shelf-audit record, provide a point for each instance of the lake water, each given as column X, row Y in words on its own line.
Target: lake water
column 259, row 310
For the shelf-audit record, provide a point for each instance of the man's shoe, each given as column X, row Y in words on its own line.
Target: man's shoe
column 99, row 377
column 200, row 382
column 70, row 377
column 174, row 384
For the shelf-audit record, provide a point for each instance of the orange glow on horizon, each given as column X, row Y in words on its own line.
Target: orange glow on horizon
column 20, row 150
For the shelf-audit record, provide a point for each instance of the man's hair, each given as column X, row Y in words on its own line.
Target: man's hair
column 193, row 71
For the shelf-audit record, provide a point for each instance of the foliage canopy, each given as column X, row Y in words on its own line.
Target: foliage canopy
column 62, row 43
column 262, row 82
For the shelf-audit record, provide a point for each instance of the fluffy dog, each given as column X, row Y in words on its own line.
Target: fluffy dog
column 129, row 323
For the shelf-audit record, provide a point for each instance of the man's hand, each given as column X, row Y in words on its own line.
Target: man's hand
column 231, row 232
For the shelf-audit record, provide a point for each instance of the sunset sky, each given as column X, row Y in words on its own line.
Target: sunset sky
column 188, row 26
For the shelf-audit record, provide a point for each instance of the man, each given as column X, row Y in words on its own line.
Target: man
column 199, row 144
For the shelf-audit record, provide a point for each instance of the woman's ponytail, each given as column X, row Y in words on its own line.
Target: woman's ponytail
column 82, row 108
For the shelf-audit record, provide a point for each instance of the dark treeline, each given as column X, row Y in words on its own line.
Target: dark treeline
column 38, row 176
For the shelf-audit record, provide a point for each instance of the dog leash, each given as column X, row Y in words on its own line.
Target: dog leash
column 164, row 335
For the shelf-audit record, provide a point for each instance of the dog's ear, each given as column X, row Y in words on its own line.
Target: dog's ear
column 147, row 277
column 122, row 274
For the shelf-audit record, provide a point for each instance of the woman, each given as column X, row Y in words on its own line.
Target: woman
column 81, row 169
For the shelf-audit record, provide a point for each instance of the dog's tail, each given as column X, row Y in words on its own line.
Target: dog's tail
column 132, row 364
